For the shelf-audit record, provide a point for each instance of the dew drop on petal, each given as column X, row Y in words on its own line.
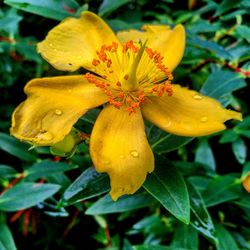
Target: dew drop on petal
column 106, row 162
column 167, row 124
column 197, row 97
column 134, row 153
column 204, row 119
column 122, row 156
column 50, row 44
column 58, row 112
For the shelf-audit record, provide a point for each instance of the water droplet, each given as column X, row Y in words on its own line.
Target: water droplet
column 134, row 153
column 106, row 162
column 204, row 119
column 197, row 97
column 167, row 124
column 58, row 112
column 122, row 156
column 50, row 44
column 55, row 49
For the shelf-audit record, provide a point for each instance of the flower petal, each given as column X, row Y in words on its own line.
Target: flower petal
column 74, row 42
column 187, row 113
column 118, row 146
column 53, row 105
column 169, row 42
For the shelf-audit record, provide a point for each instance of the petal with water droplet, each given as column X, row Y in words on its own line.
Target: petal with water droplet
column 50, row 111
column 71, row 45
column 188, row 116
column 113, row 138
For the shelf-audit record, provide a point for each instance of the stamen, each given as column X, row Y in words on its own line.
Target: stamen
column 129, row 75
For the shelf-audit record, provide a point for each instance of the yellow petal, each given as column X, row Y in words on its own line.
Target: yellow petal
column 52, row 107
column 187, row 113
column 134, row 35
column 169, row 42
column 74, row 42
column 118, row 146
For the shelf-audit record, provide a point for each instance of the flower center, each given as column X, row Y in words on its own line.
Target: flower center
column 129, row 73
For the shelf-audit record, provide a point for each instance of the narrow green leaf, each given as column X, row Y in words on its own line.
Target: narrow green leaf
column 47, row 168
column 153, row 247
column 168, row 143
column 200, row 218
column 245, row 170
column 106, row 205
column 222, row 82
column 9, row 22
column 226, row 241
column 240, row 150
column 108, row 6
column 6, row 238
column 89, row 184
column 25, row 195
column 244, row 32
column 185, row 237
column 7, row 171
column 169, row 188
column 229, row 136
column 221, row 189
column 226, row 5
column 205, row 155
column 16, row 148
column 54, row 9
column 210, row 46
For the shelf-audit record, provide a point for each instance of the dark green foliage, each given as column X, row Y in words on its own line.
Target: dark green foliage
column 193, row 200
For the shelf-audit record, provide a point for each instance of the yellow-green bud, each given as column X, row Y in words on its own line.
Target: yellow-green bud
column 67, row 147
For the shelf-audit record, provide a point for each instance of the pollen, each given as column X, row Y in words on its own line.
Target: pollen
column 129, row 73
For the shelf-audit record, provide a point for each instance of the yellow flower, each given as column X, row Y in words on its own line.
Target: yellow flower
column 131, row 72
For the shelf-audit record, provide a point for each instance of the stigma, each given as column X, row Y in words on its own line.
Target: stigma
column 129, row 73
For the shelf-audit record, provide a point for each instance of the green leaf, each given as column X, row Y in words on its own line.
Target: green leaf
column 240, row 150
column 7, row 171
column 9, row 22
column 222, row 82
column 16, row 148
column 169, row 188
column 200, row 218
column 153, row 247
column 185, row 237
column 54, row 9
column 226, row 241
column 168, row 143
column 47, row 168
column 106, row 205
column 25, row 195
column 221, row 189
column 226, row 5
column 244, row 32
column 244, row 201
column 162, row 142
column 108, row 6
column 229, row 136
column 205, row 155
column 245, row 170
column 89, row 184
column 6, row 238
column 213, row 47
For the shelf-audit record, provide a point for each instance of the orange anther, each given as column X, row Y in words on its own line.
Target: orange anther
column 109, row 62
column 128, row 100
column 126, row 77
column 95, row 62
column 118, row 84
